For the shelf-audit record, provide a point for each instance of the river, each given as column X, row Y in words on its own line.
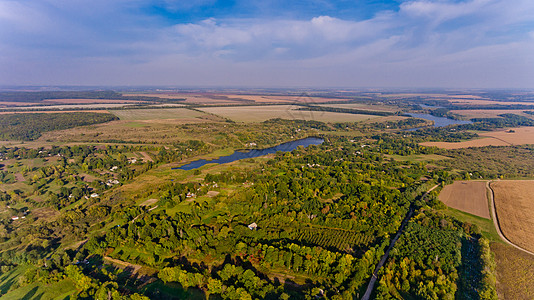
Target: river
column 237, row 155
column 438, row 121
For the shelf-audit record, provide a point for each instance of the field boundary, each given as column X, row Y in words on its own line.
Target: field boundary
column 493, row 209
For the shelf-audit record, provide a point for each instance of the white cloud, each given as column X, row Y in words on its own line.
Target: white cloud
column 423, row 41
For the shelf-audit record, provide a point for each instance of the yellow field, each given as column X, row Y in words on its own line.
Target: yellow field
column 519, row 136
column 250, row 114
column 514, row 201
column 467, row 196
column 514, row 272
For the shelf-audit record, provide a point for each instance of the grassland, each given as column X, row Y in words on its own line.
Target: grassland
column 514, row 272
column 467, row 196
column 514, row 202
column 9, row 287
column 159, row 114
column 249, row 114
column 511, row 136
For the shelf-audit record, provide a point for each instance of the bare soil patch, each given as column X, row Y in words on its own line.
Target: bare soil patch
column 514, row 201
column 468, row 196
column 213, row 193
column 148, row 202
column 19, row 177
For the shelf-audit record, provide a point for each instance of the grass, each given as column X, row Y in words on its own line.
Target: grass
column 486, row 226
column 60, row 290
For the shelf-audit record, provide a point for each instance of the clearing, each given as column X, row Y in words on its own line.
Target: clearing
column 514, row 201
column 505, row 137
column 468, row 196
column 249, row 114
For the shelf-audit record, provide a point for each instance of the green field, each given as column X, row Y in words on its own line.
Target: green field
column 60, row 290
column 249, row 114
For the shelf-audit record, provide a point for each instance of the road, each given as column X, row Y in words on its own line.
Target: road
column 493, row 209
column 382, row 261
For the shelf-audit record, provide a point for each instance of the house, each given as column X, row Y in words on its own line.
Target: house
column 114, row 168
column 95, row 195
column 253, row 226
column 14, row 218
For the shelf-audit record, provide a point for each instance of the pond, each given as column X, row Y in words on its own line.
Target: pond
column 438, row 121
column 286, row 147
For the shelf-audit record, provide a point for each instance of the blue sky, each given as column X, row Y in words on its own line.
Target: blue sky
column 317, row 43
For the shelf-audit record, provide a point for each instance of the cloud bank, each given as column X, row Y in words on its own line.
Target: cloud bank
column 473, row 43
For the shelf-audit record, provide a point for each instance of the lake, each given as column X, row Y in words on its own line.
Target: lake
column 285, row 147
column 438, row 121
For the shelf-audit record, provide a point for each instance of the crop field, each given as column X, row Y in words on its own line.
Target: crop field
column 12, row 103
column 512, row 136
column 467, row 196
column 514, row 272
column 49, row 111
column 250, row 114
column 363, row 106
column 159, row 114
column 475, row 102
column 491, row 113
column 514, row 200
column 90, row 101
column 226, row 99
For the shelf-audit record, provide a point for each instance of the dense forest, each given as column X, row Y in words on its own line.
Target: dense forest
column 29, row 127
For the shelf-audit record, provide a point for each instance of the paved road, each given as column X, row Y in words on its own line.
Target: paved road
column 382, row 261
column 496, row 220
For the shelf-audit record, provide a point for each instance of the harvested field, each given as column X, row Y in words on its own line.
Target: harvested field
column 71, row 106
column 90, row 101
column 49, row 112
column 158, row 114
column 514, row 202
column 491, row 113
column 475, row 102
column 507, row 137
column 227, row 99
column 249, row 114
column 514, row 272
column 370, row 107
column 12, row 103
column 467, row 196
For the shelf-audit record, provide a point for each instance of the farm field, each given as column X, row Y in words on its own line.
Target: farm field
column 70, row 107
column 417, row 157
column 49, row 111
column 159, row 114
column 514, row 272
column 250, row 114
column 514, row 202
column 467, row 196
column 90, row 101
column 491, row 113
column 13, row 103
column 226, row 99
column 519, row 136
column 377, row 107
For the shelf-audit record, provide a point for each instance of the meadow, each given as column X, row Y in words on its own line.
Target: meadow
column 183, row 114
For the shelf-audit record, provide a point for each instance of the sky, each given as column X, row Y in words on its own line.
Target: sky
column 268, row 43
